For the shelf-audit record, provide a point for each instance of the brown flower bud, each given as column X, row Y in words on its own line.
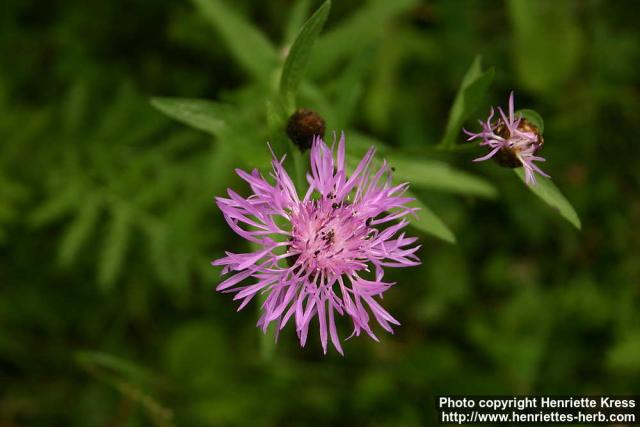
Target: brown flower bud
column 303, row 125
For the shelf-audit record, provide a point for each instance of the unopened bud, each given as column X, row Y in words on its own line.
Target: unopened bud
column 303, row 126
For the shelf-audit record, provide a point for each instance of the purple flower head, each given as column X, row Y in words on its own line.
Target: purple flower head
column 513, row 141
column 314, row 255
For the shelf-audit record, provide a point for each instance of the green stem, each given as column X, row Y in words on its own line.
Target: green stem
column 298, row 168
column 267, row 340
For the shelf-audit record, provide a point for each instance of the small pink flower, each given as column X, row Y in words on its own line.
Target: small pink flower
column 315, row 253
column 513, row 140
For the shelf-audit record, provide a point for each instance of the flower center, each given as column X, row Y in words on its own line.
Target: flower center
column 328, row 236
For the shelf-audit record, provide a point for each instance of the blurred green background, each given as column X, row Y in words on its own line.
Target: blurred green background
column 108, row 315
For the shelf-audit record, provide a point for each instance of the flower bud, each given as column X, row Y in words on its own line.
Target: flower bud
column 303, row 125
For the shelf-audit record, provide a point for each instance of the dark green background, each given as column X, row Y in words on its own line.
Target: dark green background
column 108, row 315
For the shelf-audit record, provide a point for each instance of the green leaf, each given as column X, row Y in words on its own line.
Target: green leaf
column 440, row 176
column 469, row 98
column 428, row 222
column 201, row 114
column 249, row 143
column 549, row 193
column 109, row 365
column 425, row 219
column 251, row 48
column 222, row 121
column 357, row 31
column 533, row 117
column 359, row 144
column 60, row 204
column 299, row 54
column 296, row 18
column 79, row 230
column 129, row 380
column 114, row 249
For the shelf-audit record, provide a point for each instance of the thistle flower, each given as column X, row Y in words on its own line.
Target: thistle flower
column 513, row 140
column 323, row 253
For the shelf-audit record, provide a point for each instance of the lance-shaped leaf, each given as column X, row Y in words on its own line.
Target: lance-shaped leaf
column 60, row 204
column 201, row 114
column 107, row 365
column 298, row 57
column 115, row 248
column 355, row 32
column 251, row 48
column 428, row 222
column 297, row 15
column 359, row 143
column 221, row 121
column 129, row 379
column 439, row 176
column 79, row 230
column 425, row 219
column 470, row 96
column 549, row 193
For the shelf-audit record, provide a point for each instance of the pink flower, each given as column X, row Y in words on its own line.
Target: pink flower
column 314, row 255
column 513, row 140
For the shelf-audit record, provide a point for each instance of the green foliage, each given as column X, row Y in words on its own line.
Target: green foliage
column 108, row 221
column 128, row 379
column 548, row 42
column 427, row 221
column 246, row 43
column 470, row 96
column 193, row 345
column 347, row 90
column 103, row 186
column 115, row 248
column 439, row 175
column 546, row 190
column 227, row 123
column 623, row 357
column 79, row 231
column 355, row 32
column 205, row 115
column 395, row 53
column 299, row 54
column 11, row 195
column 515, row 336
column 297, row 16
